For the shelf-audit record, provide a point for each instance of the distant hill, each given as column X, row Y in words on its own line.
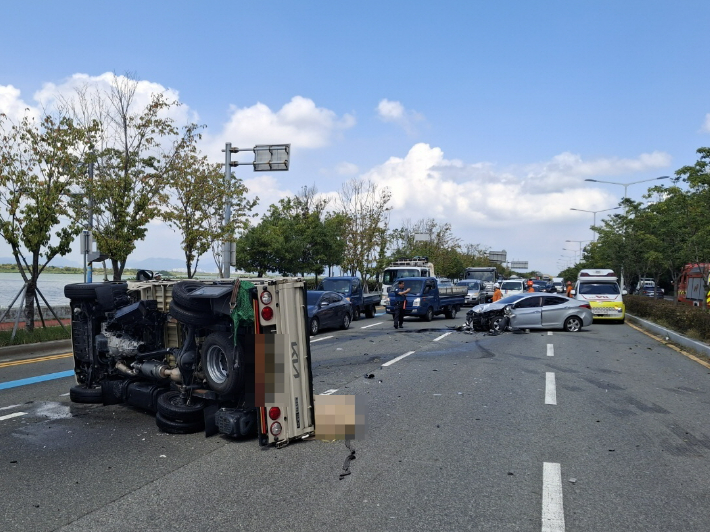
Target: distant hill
column 153, row 263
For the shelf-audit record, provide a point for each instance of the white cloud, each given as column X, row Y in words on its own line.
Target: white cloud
column 346, row 168
column 706, row 125
column 12, row 105
column 394, row 112
column 299, row 122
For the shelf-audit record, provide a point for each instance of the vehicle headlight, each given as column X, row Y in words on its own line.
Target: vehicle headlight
column 416, row 302
column 385, row 301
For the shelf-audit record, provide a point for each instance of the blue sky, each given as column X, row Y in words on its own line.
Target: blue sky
column 486, row 115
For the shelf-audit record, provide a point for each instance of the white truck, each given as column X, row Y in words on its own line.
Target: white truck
column 487, row 275
column 401, row 269
column 227, row 356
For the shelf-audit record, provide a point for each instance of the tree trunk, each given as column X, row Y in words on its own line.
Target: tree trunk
column 30, row 295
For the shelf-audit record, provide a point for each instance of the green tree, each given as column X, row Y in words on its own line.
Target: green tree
column 39, row 164
column 198, row 193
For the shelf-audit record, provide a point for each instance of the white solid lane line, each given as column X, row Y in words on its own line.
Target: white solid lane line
column 550, row 350
column 329, row 392
column 442, row 336
column 14, row 414
column 400, row 357
column 553, row 514
column 550, row 392
column 372, row 324
column 322, row 338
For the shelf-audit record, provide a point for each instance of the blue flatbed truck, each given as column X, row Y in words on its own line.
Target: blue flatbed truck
column 352, row 289
column 426, row 299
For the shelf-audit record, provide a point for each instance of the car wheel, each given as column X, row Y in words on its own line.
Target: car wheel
column 573, row 324
column 178, row 427
column 496, row 323
column 370, row 311
column 314, row 326
column 172, row 406
column 182, row 295
column 346, row 322
column 83, row 394
column 356, row 313
column 222, row 363
column 429, row 314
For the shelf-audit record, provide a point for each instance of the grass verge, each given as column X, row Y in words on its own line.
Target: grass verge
column 38, row 335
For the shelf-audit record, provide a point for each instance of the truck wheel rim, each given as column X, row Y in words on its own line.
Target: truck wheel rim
column 217, row 364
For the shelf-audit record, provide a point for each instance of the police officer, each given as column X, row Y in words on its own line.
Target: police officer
column 399, row 304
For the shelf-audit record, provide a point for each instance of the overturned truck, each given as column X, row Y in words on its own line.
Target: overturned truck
column 227, row 356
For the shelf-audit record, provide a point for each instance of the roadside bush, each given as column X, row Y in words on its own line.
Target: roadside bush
column 38, row 335
column 681, row 318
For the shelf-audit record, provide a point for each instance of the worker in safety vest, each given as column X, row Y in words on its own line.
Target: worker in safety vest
column 497, row 294
column 569, row 288
column 531, row 286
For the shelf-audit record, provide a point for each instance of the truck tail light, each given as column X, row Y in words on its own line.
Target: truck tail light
column 266, row 297
column 275, row 428
column 274, row 413
column 267, row 313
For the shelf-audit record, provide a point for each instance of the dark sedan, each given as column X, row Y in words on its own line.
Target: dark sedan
column 327, row 309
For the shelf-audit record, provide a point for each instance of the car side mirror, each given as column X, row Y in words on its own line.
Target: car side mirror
column 323, row 304
column 624, row 292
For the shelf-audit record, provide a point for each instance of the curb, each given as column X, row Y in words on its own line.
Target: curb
column 672, row 336
column 55, row 347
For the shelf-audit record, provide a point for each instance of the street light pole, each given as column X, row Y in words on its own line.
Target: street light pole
column 594, row 224
column 626, row 187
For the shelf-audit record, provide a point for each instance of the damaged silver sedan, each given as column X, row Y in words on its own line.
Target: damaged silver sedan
column 533, row 310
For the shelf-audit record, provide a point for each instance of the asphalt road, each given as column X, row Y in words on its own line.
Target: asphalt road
column 602, row 430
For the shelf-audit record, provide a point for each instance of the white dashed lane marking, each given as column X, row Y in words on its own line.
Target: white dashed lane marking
column 550, row 391
column 400, row 357
column 372, row 324
column 321, row 338
column 329, row 392
column 442, row 336
column 550, row 350
column 553, row 514
column 14, row 414
column 549, row 333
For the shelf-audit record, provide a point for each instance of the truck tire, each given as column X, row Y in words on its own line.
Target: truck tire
column 223, row 363
column 451, row 313
column 429, row 314
column 182, row 295
column 191, row 317
column 178, row 427
column 356, row 313
column 82, row 394
column 172, row 407
column 370, row 311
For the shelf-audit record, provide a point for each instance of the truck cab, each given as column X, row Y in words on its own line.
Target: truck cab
column 427, row 299
column 402, row 269
column 352, row 289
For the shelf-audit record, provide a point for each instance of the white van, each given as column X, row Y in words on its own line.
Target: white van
column 600, row 288
column 510, row 287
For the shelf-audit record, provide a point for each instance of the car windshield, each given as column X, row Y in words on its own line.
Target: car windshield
column 390, row 276
column 598, row 289
column 511, row 299
column 415, row 287
column 511, row 285
column 472, row 285
column 313, row 297
column 342, row 286
column 482, row 276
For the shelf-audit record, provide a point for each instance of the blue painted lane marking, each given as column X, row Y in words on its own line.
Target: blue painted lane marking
column 32, row 380
column 381, row 314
